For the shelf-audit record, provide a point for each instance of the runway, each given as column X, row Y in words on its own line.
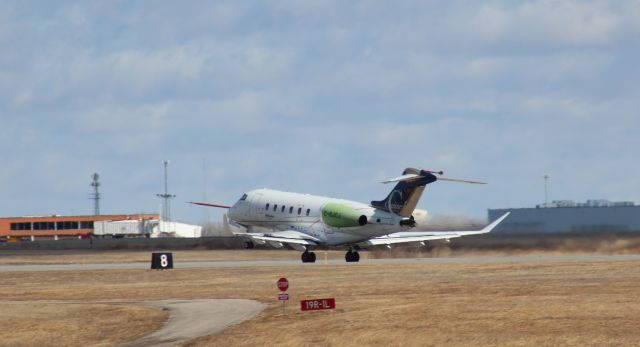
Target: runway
column 320, row 262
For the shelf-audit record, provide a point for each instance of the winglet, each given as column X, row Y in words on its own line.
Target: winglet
column 495, row 223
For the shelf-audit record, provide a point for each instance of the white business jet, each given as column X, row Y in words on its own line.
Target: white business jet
column 304, row 221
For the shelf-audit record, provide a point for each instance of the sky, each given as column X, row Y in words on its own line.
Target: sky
column 319, row 97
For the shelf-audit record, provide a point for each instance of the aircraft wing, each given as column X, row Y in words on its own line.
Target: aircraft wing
column 294, row 238
column 402, row 237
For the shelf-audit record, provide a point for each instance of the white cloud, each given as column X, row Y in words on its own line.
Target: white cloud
column 321, row 96
column 547, row 22
column 134, row 71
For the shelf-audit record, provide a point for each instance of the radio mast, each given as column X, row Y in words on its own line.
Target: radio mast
column 166, row 207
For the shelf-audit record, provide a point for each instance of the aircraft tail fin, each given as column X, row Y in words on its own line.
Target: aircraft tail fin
column 404, row 197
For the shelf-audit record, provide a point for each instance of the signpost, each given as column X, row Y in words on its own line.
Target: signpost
column 318, row 304
column 283, row 285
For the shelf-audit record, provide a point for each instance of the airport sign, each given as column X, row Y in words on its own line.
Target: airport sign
column 318, row 304
column 161, row 260
column 283, row 297
column 283, row 284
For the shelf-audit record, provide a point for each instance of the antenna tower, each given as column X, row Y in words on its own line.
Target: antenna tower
column 95, row 183
column 166, row 207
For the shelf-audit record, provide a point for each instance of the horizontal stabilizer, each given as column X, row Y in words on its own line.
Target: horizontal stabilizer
column 413, row 177
column 459, row 180
column 403, row 178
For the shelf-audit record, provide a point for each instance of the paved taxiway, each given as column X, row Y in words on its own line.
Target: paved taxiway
column 188, row 319
column 280, row 263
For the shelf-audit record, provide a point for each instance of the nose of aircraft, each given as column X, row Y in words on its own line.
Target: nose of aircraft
column 234, row 212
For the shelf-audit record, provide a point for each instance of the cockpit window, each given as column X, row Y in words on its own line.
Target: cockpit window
column 244, row 197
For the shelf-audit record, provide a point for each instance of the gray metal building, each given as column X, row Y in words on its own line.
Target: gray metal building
column 567, row 216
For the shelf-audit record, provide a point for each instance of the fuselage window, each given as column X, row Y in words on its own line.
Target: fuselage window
column 308, row 210
column 275, row 207
column 282, row 209
column 244, row 197
column 267, row 207
column 291, row 210
column 299, row 210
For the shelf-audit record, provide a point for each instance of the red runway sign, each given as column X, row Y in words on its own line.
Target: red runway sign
column 318, row 304
column 283, row 284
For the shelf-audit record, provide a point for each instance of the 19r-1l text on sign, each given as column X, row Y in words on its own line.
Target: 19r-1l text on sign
column 318, row 304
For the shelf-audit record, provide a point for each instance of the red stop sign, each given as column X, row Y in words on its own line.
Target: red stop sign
column 283, row 284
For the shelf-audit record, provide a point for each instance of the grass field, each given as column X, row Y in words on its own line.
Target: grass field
column 69, row 324
column 532, row 303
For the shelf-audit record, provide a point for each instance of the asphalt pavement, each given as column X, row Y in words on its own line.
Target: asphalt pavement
column 280, row 263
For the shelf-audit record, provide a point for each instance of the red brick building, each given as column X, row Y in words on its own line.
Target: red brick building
column 56, row 227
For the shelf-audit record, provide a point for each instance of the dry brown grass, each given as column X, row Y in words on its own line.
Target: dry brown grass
column 71, row 324
column 558, row 302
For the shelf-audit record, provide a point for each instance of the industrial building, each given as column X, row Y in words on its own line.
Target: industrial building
column 565, row 216
column 146, row 228
column 54, row 227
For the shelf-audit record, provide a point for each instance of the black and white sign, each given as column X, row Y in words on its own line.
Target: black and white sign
column 161, row 260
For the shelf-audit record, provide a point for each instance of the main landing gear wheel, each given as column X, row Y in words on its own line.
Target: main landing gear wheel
column 308, row 257
column 248, row 245
column 352, row 256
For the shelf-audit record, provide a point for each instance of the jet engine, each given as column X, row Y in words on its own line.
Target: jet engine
column 342, row 216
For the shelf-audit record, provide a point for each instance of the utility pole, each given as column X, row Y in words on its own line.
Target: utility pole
column 166, row 208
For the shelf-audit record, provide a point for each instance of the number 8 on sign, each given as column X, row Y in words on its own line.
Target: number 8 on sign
column 163, row 261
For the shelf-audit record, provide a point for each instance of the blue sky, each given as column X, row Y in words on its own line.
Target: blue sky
column 323, row 97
